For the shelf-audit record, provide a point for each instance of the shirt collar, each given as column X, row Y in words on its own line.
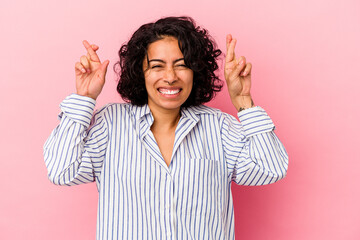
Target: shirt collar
column 144, row 118
column 190, row 113
column 140, row 111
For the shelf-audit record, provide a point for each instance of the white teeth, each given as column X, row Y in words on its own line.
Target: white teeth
column 169, row 92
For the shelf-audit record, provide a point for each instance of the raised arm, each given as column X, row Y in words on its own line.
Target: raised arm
column 255, row 155
column 75, row 150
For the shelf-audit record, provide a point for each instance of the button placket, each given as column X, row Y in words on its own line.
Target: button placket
column 172, row 208
column 168, row 207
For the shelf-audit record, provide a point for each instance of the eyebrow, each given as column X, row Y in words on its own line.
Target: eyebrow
column 160, row 60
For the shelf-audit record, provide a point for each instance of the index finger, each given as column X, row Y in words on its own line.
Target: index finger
column 91, row 52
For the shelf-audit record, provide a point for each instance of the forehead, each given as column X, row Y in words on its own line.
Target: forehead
column 165, row 48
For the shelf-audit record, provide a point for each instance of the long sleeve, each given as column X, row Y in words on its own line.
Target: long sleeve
column 254, row 154
column 75, row 150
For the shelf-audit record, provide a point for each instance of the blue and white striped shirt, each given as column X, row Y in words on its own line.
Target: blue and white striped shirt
column 140, row 197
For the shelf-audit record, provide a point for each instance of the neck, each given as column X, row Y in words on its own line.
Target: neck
column 165, row 120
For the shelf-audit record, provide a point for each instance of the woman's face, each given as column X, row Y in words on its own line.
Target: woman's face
column 168, row 80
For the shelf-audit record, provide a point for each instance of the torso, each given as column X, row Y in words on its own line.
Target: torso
column 165, row 142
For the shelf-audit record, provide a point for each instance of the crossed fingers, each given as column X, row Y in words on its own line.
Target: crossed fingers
column 84, row 66
column 91, row 54
column 231, row 60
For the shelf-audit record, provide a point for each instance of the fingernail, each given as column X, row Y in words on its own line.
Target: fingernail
column 83, row 70
column 244, row 73
column 241, row 62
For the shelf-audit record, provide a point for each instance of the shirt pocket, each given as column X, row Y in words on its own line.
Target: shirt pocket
column 202, row 183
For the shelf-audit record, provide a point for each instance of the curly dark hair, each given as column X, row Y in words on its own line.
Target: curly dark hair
column 200, row 54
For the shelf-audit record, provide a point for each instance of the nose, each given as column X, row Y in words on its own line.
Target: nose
column 170, row 75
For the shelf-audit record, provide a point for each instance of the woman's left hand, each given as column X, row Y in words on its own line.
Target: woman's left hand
column 238, row 76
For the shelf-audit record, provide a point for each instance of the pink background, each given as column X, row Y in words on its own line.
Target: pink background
column 306, row 59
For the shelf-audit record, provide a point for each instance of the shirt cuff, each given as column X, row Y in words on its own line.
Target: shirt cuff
column 255, row 121
column 78, row 108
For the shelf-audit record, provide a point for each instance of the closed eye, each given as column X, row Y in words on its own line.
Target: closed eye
column 156, row 66
column 181, row 66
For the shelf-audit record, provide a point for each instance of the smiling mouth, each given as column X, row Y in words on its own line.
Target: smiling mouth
column 169, row 91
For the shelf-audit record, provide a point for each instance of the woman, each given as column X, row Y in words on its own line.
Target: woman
column 163, row 163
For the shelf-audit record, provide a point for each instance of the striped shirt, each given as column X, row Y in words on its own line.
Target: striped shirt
column 140, row 197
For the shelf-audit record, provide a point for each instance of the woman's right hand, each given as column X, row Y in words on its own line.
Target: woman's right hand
column 90, row 73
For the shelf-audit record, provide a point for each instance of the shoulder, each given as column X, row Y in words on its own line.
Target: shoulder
column 113, row 106
column 204, row 110
column 111, row 109
column 206, row 113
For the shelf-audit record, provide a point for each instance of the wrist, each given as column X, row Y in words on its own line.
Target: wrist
column 86, row 95
column 243, row 102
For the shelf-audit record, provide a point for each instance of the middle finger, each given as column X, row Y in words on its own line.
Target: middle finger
column 230, row 53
